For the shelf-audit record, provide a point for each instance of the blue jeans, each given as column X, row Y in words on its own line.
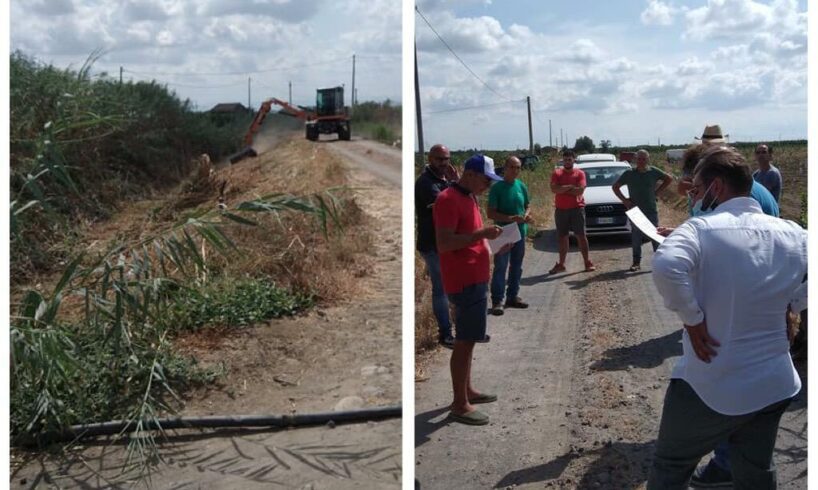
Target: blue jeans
column 636, row 238
column 721, row 456
column 440, row 304
column 515, row 272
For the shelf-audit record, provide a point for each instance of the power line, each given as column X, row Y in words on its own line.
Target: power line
column 458, row 57
column 456, row 109
column 267, row 70
column 241, row 82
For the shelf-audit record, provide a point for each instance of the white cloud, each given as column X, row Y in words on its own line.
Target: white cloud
column 658, row 13
column 464, row 35
column 582, row 51
column 694, row 66
column 174, row 40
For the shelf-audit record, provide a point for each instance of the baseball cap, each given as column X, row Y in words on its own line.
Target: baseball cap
column 483, row 165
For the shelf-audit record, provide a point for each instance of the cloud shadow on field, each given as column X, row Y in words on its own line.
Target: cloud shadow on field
column 646, row 355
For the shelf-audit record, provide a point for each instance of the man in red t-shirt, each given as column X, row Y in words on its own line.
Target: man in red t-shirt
column 568, row 185
column 464, row 265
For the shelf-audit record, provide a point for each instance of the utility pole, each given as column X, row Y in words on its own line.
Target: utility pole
column 550, row 143
column 530, row 133
column 417, row 106
column 120, row 75
column 562, row 141
column 291, row 93
column 248, row 93
column 352, row 103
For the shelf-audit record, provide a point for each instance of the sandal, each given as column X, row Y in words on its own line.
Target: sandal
column 483, row 398
column 471, row 418
column 635, row 267
column 557, row 268
column 589, row 267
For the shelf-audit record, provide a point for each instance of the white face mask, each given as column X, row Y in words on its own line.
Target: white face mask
column 697, row 206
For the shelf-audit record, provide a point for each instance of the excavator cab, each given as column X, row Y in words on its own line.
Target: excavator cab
column 329, row 101
column 331, row 115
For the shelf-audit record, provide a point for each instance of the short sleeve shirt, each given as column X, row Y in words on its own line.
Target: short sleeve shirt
column 642, row 188
column 574, row 176
column 457, row 209
column 511, row 199
column 771, row 179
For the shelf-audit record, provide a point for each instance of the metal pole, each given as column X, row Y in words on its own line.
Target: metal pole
column 120, row 75
column 248, row 93
column 291, row 93
column 352, row 103
column 530, row 132
column 550, row 143
column 417, row 106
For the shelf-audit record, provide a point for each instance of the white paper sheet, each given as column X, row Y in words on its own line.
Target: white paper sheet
column 642, row 222
column 510, row 234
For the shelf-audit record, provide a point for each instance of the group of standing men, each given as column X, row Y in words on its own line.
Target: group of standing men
column 732, row 273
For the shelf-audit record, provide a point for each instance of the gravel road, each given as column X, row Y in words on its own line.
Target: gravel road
column 581, row 376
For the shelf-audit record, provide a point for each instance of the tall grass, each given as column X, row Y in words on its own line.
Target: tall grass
column 379, row 121
column 97, row 346
column 81, row 143
column 113, row 359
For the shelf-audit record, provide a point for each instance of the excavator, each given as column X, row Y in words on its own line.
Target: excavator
column 330, row 117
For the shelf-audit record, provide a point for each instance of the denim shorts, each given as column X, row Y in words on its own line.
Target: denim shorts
column 470, row 306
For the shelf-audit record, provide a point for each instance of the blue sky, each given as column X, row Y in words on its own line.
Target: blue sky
column 205, row 50
column 634, row 72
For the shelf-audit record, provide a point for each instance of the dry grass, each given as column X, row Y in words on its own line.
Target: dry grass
column 291, row 248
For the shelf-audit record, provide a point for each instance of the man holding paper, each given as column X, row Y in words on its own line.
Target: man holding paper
column 464, row 265
column 642, row 190
column 509, row 203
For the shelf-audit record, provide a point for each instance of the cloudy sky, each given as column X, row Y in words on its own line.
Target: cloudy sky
column 630, row 71
column 205, row 50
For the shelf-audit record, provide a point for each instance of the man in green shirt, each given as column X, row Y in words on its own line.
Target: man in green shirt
column 508, row 203
column 642, row 192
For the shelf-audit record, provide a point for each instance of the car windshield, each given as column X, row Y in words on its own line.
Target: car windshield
column 602, row 176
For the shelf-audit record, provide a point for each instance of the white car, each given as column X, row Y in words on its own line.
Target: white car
column 604, row 212
column 595, row 157
column 591, row 158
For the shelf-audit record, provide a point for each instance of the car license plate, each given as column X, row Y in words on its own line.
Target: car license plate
column 604, row 221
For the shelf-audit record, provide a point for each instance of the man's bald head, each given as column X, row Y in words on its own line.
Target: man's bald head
column 439, row 159
column 512, row 169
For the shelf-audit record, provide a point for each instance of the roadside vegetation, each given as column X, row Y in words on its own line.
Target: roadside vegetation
column 379, row 121
column 118, row 246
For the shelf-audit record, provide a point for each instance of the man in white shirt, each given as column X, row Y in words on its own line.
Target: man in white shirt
column 730, row 276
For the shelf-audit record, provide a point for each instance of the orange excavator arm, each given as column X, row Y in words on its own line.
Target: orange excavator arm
column 262, row 113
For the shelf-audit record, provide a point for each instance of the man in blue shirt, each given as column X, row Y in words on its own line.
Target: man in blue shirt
column 767, row 174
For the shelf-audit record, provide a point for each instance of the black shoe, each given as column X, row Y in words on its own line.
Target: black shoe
column 447, row 341
column 495, row 309
column 516, row 303
column 712, row 476
column 485, row 340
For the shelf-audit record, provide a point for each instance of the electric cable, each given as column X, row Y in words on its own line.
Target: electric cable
column 458, row 57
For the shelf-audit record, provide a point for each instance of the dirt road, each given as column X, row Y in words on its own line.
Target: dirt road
column 340, row 357
column 378, row 159
column 581, row 376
